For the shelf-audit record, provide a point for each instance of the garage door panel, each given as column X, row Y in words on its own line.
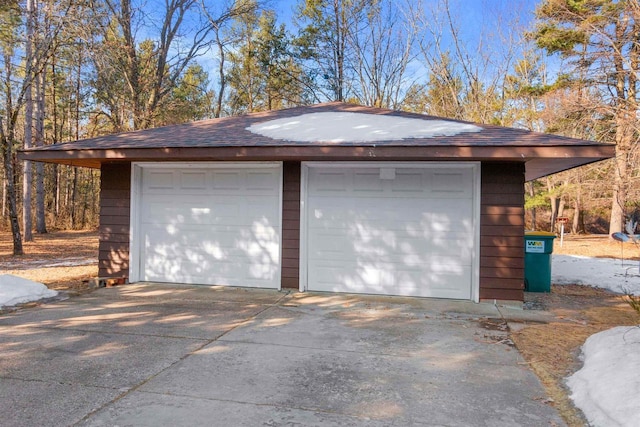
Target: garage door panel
column 367, row 182
column 158, row 181
column 426, row 227
column 226, row 180
column 212, row 210
column 388, row 280
column 451, row 184
column 229, row 259
column 211, row 226
column 189, row 212
column 432, row 230
column 329, row 182
column 261, row 181
column 407, row 183
column 406, row 232
column 400, row 253
column 259, row 201
column 193, row 180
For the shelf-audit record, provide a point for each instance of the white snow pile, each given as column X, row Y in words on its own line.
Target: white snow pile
column 607, row 388
column 16, row 290
column 609, row 273
column 339, row 127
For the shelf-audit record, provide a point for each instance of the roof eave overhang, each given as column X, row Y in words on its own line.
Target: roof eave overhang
column 540, row 160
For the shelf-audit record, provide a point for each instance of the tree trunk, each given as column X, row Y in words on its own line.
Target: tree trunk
column 624, row 138
column 554, row 206
column 6, row 144
column 222, row 79
column 41, row 226
column 619, row 190
column 56, row 190
column 28, row 126
column 532, row 211
column 26, row 201
column 577, row 208
column 74, row 191
column 4, row 195
column 561, row 205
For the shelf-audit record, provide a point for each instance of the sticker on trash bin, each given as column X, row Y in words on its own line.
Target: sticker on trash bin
column 535, row 246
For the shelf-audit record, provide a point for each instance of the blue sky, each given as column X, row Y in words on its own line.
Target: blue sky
column 473, row 14
column 483, row 24
column 479, row 21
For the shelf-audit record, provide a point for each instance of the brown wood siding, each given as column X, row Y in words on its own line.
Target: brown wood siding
column 115, row 199
column 501, row 226
column 502, row 231
column 291, row 225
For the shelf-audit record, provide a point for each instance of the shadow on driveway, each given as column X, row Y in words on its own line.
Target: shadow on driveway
column 151, row 355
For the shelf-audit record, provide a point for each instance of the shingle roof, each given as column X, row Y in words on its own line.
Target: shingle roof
column 230, row 132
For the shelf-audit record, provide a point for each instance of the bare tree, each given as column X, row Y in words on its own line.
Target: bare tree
column 479, row 68
column 150, row 71
column 324, row 42
column 382, row 46
column 219, row 20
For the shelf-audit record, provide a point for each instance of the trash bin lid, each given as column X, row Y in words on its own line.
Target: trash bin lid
column 540, row 233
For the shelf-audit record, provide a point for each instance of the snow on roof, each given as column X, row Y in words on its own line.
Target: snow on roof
column 16, row 290
column 356, row 127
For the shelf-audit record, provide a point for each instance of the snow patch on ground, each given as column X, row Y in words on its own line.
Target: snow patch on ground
column 16, row 290
column 44, row 263
column 339, row 127
column 607, row 388
column 608, row 273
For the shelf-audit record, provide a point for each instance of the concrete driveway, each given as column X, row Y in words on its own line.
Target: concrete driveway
column 159, row 355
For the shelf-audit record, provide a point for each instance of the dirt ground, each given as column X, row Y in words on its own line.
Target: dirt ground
column 552, row 350
column 62, row 260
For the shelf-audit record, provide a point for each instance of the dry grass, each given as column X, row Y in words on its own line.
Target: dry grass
column 52, row 247
column 552, row 349
column 596, row 245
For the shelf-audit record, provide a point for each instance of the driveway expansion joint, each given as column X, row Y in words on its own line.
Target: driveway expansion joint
column 335, row 350
column 180, row 359
column 264, row 404
column 94, row 331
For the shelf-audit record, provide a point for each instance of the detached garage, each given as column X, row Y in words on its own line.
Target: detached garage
column 331, row 197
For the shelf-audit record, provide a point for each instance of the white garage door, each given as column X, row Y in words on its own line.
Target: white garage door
column 210, row 224
column 391, row 229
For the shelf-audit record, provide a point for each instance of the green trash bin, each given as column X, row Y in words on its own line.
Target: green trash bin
column 538, row 247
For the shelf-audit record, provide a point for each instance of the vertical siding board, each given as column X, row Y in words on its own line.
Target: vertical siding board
column 115, row 221
column 291, row 176
column 502, row 231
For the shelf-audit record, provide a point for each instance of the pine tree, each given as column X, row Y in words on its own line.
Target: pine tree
column 599, row 38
